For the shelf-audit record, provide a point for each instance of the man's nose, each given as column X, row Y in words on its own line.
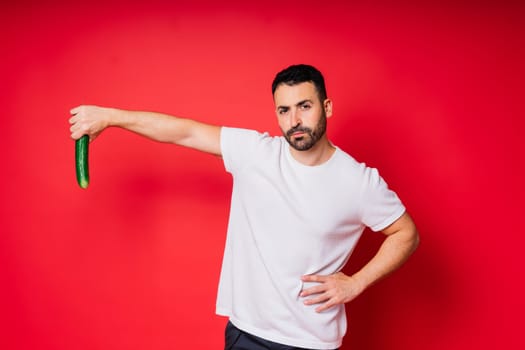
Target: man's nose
column 295, row 118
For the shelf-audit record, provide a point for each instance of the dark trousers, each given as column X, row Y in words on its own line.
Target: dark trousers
column 235, row 339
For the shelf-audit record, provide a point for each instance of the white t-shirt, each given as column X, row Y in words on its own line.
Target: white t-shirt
column 288, row 220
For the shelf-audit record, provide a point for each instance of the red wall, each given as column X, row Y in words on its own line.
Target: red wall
column 431, row 95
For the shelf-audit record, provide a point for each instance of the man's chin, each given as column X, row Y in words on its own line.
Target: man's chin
column 301, row 145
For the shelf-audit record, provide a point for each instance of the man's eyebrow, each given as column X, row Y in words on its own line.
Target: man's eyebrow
column 300, row 103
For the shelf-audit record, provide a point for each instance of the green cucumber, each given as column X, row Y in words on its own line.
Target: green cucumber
column 81, row 161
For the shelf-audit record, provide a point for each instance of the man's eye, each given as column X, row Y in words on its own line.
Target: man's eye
column 305, row 106
column 283, row 111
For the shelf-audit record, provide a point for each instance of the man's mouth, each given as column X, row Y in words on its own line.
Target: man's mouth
column 297, row 132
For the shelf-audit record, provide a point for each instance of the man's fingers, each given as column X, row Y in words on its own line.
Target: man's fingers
column 84, row 122
column 77, row 130
column 76, row 135
column 326, row 305
column 325, row 299
column 75, row 110
column 320, row 298
column 319, row 288
column 313, row 290
column 314, row 278
column 329, row 291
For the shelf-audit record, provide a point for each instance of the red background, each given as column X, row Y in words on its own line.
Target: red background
column 432, row 95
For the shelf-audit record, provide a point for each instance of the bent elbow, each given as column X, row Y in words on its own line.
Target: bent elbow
column 415, row 239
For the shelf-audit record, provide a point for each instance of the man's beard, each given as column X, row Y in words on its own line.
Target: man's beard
column 310, row 137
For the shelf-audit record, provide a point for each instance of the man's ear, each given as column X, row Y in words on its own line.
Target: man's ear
column 327, row 105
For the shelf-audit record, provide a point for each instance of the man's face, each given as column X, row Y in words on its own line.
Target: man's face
column 301, row 114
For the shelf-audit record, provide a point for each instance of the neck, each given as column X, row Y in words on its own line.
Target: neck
column 317, row 155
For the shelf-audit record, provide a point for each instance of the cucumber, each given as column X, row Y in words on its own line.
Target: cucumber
column 81, row 161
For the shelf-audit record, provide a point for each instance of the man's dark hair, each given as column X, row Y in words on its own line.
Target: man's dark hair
column 301, row 73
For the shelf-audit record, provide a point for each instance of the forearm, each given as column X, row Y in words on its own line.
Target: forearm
column 156, row 126
column 393, row 252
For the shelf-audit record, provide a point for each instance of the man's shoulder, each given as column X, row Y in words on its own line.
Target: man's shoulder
column 246, row 145
column 346, row 159
column 242, row 136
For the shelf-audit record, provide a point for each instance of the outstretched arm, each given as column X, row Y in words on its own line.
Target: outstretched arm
column 401, row 241
column 92, row 120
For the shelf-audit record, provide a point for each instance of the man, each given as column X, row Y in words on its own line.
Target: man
column 299, row 205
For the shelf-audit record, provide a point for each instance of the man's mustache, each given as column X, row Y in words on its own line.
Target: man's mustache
column 298, row 129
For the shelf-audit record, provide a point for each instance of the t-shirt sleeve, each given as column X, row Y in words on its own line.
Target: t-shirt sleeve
column 238, row 147
column 381, row 206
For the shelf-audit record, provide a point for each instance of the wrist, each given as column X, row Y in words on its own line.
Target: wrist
column 360, row 282
column 115, row 117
